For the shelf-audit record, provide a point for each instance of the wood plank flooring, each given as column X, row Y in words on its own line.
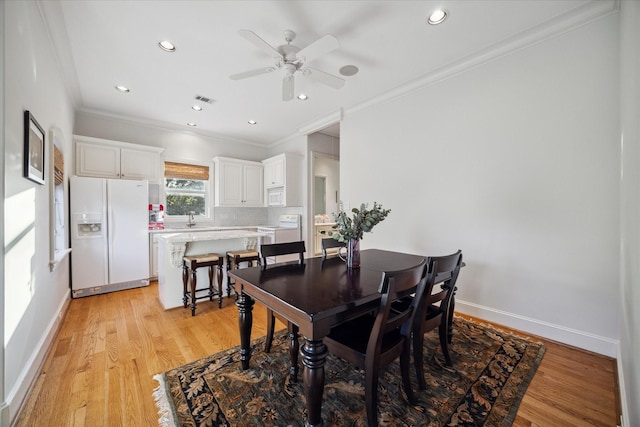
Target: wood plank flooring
column 99, row 371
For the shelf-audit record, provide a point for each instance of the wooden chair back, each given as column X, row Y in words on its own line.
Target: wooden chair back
column 331, row 243
column 275, row 249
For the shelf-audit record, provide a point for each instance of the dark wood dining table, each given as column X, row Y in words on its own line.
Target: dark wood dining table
column 315, row 296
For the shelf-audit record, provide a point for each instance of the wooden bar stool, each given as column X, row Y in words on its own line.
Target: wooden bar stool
column 192, row 263
column 234, row 258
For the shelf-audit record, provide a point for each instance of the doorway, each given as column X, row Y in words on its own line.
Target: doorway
column 324, row 184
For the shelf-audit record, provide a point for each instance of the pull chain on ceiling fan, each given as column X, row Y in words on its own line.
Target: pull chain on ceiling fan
column 292, row 59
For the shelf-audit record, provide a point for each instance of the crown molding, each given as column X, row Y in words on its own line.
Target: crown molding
column 165, row 126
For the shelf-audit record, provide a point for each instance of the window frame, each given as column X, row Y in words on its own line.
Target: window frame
column 208, row 191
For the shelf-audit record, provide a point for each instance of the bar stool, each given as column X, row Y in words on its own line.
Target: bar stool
column 234, row 258
column 192, row 263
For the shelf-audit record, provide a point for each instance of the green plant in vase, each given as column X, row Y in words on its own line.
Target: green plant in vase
column 351, row 229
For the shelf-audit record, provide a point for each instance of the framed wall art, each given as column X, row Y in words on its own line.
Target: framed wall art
column 33, row 149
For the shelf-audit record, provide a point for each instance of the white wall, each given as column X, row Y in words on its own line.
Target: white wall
column 630, row 208
column 515, row 162
column 33, row 296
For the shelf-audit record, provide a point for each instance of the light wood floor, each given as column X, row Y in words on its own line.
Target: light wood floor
column 100, row 367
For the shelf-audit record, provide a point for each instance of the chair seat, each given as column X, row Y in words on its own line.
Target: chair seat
column 243, row 254
column 343, row 335
column 202, row 258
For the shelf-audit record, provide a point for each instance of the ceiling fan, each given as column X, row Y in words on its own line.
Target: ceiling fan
column 292, row 59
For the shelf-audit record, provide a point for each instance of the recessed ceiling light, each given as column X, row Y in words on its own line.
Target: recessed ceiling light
column 303, row 97
column 196, row 107
column 252, row 122
column 349, row 70
column 167, row 46
column 191, row 124
column 437, row 17
column 122, row 89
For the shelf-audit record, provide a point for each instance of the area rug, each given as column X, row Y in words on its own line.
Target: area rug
column 490, row 374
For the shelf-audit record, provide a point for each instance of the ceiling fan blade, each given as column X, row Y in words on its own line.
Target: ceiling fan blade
column 254, row 39
column 324, row 78
column 318, row 48
column 251, row 73
column 287, row 87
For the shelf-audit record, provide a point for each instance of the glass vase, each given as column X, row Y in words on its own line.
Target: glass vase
column 353, row 253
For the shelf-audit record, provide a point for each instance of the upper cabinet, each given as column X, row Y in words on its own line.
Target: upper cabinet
column 283, row 180
column 238, row 183
column 103, row 158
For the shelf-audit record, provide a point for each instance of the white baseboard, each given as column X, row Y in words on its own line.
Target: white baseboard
column 573, row 337
column 27, row 378
column 4, row 415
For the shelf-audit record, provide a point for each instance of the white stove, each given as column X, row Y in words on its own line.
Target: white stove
column 287, row 230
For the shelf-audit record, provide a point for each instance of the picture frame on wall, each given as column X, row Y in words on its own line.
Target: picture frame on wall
column 34, row 140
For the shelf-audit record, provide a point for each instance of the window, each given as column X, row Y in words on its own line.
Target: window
column 186, row 189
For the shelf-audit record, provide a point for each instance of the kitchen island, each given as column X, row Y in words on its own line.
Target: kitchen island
column 173, row 246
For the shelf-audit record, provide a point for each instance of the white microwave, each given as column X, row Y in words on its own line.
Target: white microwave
column 275, row 196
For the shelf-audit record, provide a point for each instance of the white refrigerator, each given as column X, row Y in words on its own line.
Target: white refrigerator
column 109, row 235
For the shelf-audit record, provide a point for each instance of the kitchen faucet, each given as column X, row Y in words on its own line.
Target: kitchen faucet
column 192, row 219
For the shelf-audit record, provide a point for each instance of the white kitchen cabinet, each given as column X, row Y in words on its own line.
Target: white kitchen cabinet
column 153, row 255
column 274, row 171
column 322, row 232
column 283, row 180
column 103, row 158
column 238, row 183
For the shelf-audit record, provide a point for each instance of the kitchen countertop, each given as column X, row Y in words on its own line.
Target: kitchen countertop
column 187, row 236
column 198, row 228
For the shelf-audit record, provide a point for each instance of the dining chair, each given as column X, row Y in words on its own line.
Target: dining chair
column 331, row 243
column 274, row 250
column 435, row 310
column 373, row 341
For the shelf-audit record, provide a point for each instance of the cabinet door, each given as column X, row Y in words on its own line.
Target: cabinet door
column 274, row 172
column 97, row 160
column 230, row 185
column 253, row 186
column 139, row 164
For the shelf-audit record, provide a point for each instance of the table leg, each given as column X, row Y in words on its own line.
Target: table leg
column 245, row 321
column 314, row 355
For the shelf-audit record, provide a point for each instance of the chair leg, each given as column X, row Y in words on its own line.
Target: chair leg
column 219, row 273
column 228, row 278
column 271, row 320
column 371, row 395
column 418, row 357
column 443, row 330
column 211, row 283
column 452, row 306
column 405, row 362
column 193, row 291
column 294, row 349
column 185, row 280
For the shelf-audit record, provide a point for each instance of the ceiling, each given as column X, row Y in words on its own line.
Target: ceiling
column 102, row 44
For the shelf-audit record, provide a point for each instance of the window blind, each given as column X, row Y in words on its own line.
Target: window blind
column 58, row 165
column 185, row 171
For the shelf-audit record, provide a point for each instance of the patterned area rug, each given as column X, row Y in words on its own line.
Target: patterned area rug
column 491, row 372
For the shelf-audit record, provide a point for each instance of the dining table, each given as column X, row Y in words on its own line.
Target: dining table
column 315, row 295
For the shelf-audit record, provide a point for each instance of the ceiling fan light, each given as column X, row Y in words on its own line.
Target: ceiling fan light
column 437, row 17
column 167, row 46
